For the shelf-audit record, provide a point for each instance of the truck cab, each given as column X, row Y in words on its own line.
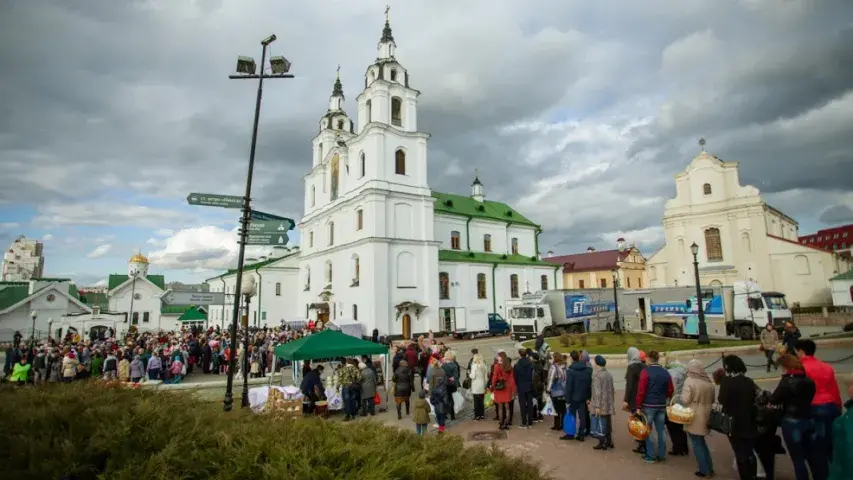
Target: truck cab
column 529, row 318
column 754, row 308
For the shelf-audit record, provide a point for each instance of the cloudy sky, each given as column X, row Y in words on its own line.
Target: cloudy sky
column 577, row 113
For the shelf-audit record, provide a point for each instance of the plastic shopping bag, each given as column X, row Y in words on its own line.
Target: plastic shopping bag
column 570, row 426
column 336, row 402
column 377, row 399
column 458, row 402
column 596, row 428
column 488, row 400
column 549, row 408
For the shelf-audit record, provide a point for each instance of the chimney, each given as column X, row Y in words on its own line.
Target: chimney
column 620, row 243
column 590, row 249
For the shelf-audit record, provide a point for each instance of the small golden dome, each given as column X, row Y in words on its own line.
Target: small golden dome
column 138, row 258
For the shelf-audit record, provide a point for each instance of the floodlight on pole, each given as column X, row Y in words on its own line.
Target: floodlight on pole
column 246, row 68
column 279, row 65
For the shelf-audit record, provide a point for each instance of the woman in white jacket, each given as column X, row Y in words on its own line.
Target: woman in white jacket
column 479, row 377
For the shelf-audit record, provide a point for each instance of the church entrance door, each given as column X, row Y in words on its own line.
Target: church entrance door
column 407, row 327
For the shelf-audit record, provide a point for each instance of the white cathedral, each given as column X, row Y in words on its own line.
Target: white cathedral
column 379, row 247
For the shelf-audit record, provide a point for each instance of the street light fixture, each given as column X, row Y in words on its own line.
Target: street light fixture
column 34, row 315
column 617, row 327
column 703, row 328
column 246, row 69
column 279, row 65
column 248, row 289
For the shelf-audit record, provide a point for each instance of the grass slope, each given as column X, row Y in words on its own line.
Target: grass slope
column 609, row 343
column 94, row 431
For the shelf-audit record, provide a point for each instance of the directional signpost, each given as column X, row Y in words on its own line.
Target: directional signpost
column 256, row 215
column 267, row 239
column 193, row 298
column 213, row 200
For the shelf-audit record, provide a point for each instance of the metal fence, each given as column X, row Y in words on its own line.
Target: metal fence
column 7, row 335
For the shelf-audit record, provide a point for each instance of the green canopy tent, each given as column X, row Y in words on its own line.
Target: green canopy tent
column 330, row 344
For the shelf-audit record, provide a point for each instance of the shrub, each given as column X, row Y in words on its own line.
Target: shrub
column 91, row 430
column 566, row 340
column 584, row 339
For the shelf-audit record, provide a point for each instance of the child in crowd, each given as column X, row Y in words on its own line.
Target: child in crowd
column 420, row 413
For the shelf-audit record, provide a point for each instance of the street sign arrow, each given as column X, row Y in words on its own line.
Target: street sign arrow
column 270, row 226
column 193, row 298
column 279, row 238
column 288, row 222
column 214, row 200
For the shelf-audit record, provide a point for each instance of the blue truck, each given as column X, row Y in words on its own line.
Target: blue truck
column 553, row 313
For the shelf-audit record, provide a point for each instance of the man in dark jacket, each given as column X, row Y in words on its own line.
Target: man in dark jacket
column 653, row 391
column 578, row 392
column 523, row 374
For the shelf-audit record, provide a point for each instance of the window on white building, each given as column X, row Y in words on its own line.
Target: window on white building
column 331, row 233
column 359, row 219
column 356, row 270
column 706, row 189
column 135, row 319
column 396, row 112
column 801, row 265
column 313, row 195
column 454, row 240
column 311, row 238
column 543, row 282
column 443, row 285
column 487, row 243
column 146, row 317
column 277, row 289
column 481, row 285
column 328, row 272
column 400, row 162
column 354, row 311
column 513, row 286
column 361, row 165
column 713, row 245
column 514, row 244
column 746, row 242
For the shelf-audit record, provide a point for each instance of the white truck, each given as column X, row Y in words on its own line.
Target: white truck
column 743, row 308
column 555, row 312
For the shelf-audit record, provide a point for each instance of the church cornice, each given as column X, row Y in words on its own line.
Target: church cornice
column 388, row 83
column 358, row 195
column 367, row 240
column 380, row 128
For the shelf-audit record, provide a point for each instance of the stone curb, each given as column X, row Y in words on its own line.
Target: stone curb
column 620, row 360
column 205, row 385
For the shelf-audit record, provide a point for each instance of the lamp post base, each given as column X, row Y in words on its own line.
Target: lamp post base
column 703, row 340
column 228, row 403
column 244, row 399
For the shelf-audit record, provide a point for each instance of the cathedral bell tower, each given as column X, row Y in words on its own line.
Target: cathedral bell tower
column 335, row 125
column 387, row 97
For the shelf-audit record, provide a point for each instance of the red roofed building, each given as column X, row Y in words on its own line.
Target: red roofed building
column 594, row 269
column 836, row 239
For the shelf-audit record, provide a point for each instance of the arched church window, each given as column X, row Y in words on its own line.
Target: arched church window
column 543, row 282
column 706, row 189
column 361, row 165
column 746, row 242
column 444, row 285
column 331, row 233
column 336, row 166
column 487, row 243
column 340, row 124
column 801, row 265
column 313, row 195
column 396, row 111
column 713, row 245
column 481, row 285
column 454, row 240
column 393, row 75
column 369, row 107
column 513, row 286
column 328, row 271
column 400, row 162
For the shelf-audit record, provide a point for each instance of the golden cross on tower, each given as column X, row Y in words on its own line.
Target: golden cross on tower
column 702, row 143
column 387, row 9
column 339, row 71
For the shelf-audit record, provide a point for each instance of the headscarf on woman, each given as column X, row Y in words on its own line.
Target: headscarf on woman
column 696, row 370
column 633, row 355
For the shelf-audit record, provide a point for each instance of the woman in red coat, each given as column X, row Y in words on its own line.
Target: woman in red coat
column 503, row 389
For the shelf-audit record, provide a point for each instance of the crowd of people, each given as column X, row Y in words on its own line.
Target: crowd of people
column 143, row 356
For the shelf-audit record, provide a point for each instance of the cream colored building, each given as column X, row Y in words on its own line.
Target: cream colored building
column 594, row 269
column 740, row 237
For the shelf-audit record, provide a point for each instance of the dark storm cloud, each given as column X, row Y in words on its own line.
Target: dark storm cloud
column 837, row 214
column 134, row 95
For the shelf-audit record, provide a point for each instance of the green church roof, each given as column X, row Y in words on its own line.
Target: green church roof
column 13, row 294
column 452, row 204
column 490, row 258
column 116, row 279
column 848, row 275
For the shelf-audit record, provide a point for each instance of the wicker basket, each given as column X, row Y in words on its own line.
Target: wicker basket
column 638, row 426
column 682, row 417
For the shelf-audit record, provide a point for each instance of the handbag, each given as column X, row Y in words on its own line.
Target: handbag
column 719, row 421
column 377, row 399
column 570, row 426
column 466, row 384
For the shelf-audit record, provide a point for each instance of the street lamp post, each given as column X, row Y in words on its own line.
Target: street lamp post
column 617, row 327
column 279, row 66
column 703, row 328
column 249, row 289
column 34, row 315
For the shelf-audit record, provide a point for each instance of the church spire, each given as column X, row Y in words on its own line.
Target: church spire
column 477, row 187
column 337, row 98
column 386, row 43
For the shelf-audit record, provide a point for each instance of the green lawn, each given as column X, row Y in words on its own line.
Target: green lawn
column 609, row 343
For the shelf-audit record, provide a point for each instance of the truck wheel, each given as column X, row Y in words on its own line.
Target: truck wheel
column 675, row 331
column 576, row 329
column 506, row 332
column 659, row 329
column 471, row 336
column 548, row 332
column 609, row 327
column 746, row 332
